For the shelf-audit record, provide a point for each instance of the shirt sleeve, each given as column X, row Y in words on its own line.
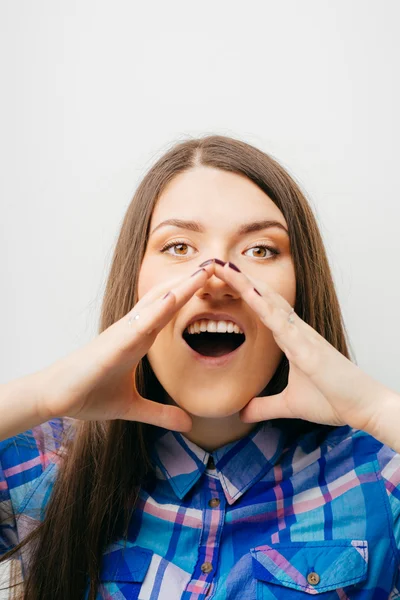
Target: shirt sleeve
column 395, row 593
column 23, row 458
column 389, row 468
column 7, row 519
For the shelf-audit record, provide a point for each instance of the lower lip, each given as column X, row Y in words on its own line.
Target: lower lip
column 214, row 361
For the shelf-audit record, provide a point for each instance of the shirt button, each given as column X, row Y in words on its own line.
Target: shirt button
column 206, row 567
column 213, row 502
column 313, row 578
column 211, row 463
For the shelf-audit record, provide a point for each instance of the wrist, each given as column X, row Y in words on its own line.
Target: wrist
column 38, row 393
column 19, row 406
column 384, row 427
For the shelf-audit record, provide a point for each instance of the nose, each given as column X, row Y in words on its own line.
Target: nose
column 216, row 289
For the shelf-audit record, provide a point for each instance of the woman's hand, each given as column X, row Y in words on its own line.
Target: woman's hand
column 97, row 382
column 323, row 385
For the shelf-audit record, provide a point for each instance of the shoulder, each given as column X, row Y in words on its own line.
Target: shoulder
column 24, row 457
column 388, row 461
column 27, row 463
column 364, row 454
column 361, row 445
column 370, row 455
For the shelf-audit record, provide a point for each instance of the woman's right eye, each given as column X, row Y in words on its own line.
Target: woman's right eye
column 173, row 243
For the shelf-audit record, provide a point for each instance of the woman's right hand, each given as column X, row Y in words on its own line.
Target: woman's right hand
column 97, row 381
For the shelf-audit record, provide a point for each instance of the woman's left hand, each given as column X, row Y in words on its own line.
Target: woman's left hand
column 323, row 385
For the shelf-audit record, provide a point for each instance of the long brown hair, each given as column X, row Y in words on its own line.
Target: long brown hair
column 104, row 464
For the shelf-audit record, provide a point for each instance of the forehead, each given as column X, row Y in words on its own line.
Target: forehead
column 213, row 195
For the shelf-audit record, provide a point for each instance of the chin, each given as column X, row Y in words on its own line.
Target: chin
column 213, row 407
column 212, row 413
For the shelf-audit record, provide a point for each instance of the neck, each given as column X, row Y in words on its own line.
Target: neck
column 213, row 433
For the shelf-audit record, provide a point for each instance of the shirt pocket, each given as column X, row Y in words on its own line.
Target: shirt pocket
column 123, row 571
column 294, row 570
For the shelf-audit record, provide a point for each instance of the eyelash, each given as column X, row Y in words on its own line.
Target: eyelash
column 172, row 243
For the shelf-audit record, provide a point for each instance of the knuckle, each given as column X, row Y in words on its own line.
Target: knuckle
column 311, row 356
column 163, row 415
column 248, row 293
column 141, row 326
column 305, row 350
column 258, row 411
column 140, row 329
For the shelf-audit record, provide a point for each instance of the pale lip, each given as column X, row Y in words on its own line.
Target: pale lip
column 214, row 361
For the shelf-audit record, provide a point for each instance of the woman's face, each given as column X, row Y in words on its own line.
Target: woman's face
column 220, row 203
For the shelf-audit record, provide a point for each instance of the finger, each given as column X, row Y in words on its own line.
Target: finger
column 162, row 415
column 265, row 408
column 158, row 291
column 300, row 342
column 272, row 309
column 133, row 337
column 242, row 283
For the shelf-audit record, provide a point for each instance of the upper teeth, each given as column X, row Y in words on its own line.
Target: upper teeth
column 214, row 327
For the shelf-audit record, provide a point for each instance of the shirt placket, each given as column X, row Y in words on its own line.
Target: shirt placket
column 202, row 583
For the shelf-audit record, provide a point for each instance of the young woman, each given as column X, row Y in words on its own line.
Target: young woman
column 215, row 440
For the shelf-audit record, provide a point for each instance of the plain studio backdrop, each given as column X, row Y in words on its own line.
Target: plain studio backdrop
column 93, row 92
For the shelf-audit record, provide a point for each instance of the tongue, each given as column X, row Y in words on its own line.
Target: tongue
column 214, row 344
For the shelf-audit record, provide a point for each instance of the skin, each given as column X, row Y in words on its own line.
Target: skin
column 221, row 202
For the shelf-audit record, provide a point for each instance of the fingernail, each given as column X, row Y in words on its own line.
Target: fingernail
column 207, row 262
column 256, row 291
column 220, row 262
column 198, row 271
column 234, row 267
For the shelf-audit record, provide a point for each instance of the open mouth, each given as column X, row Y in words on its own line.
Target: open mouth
column 213, row 344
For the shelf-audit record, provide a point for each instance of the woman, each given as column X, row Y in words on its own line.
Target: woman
column 215, row 440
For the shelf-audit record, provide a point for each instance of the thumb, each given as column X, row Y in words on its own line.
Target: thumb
column 263, row 408
column 156, row 413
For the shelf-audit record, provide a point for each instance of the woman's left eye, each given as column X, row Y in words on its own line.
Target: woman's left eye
column 274, row 251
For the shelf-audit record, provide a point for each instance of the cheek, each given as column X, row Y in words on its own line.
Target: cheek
column 289, row 293
column 147, row 278
column 286, row 284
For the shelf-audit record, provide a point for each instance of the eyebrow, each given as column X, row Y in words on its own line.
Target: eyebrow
column 243, row 229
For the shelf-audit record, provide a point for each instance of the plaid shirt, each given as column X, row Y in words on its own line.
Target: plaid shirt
column 265, row 517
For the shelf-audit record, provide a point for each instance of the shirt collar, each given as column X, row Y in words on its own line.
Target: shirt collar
column 239, row 464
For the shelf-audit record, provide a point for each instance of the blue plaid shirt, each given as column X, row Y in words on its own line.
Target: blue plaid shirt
column 268, row 516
